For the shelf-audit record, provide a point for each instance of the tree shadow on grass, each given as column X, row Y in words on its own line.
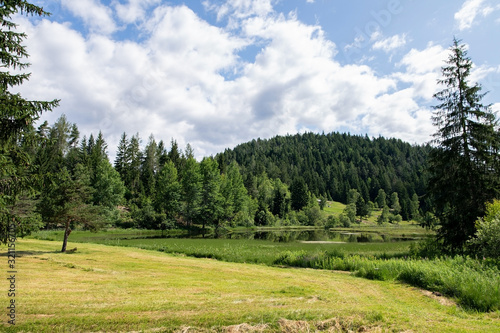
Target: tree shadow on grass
column 20, row 254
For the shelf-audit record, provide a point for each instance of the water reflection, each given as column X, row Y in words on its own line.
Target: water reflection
column 285, row 236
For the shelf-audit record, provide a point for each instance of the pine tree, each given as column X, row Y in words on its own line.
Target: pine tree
column 150, row 166
column 464, row 164
column 121, row 160
column 133, row 171
column 299, row 194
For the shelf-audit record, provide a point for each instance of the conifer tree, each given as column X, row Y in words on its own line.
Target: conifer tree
column 464, row 164
column 121, row 160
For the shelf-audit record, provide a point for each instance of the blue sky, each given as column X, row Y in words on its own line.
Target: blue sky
column 217, row 73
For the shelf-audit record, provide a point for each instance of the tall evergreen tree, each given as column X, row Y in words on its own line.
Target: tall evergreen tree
column 122, row 161
column 150, row 166
column 299, row 194
column 132, row 179
column 464, row 164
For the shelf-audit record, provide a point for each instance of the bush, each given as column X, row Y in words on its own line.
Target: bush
column 487, row 238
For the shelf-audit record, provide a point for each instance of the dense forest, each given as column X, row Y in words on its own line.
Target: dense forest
column 282, row 181
column 332, row 164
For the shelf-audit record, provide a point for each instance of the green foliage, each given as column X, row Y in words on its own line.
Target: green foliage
column 464, row 165
column 235, row 196
column 146, row 217
column 191, row 189
column 487, row 238
column 211, row 208
column 384, row 217
column 414, row 207
column 381, row 198
column 350, row 213
column 395, row 206
column 108, row 186
column 332, row 164
column 299, row 194
column 17, row 116
column 65, row 201
column 168, row 192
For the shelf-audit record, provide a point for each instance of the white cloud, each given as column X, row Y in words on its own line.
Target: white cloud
column 391, row 43
column 428, row 60
column 97, row 17
column 469, row 11
column 134, row 10
column 179, row 81
column 240, row 9
column 422, row 70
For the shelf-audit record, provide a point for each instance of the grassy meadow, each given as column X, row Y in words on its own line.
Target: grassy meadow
column 239, row 249
column 102, row 288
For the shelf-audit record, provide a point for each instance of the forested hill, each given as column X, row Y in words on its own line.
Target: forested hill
column 332, row 164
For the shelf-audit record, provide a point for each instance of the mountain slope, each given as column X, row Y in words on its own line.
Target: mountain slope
column 332, row 164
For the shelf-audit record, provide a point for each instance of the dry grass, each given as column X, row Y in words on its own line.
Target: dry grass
column 112, row 289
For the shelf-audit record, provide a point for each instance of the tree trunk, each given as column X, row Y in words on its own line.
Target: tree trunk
column 67, row 231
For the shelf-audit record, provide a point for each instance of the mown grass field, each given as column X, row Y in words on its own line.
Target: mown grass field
column 107, row 288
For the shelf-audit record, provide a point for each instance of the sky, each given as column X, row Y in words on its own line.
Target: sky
column 216, row 73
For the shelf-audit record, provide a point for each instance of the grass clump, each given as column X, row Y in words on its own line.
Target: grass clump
column 474, row 284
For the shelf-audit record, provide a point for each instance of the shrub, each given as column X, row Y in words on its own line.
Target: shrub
column 487, row 237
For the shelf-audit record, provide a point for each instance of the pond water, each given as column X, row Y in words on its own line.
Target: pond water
column 306, row 236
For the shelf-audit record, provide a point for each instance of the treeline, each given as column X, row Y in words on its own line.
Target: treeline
column 333, row 164
column 160, row 187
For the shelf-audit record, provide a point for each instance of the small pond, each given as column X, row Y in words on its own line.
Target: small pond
column 306, row 236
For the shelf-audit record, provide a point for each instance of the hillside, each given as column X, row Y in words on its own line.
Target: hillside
column 106, row 288
column 332, row 164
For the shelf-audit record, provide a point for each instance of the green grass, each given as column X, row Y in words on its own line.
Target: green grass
column 474, row 284
column 334, row 208
column 117, row 289
column 233, row 250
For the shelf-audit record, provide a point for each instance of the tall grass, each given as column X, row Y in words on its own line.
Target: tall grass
column 475, row 285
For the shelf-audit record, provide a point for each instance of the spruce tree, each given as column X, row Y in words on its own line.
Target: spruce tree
column 464, row 163
column 17, row 115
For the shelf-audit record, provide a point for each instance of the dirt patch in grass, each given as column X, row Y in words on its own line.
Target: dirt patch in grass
column 439, row 297
column 350, row 324
column 245, row 328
